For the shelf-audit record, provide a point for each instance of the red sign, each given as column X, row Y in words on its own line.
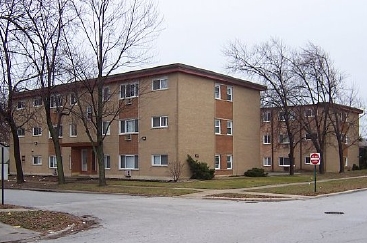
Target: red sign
column 315, row 158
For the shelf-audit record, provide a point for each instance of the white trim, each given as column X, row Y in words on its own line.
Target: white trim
column 160, row 160
column 230, row 156
column 215, row 161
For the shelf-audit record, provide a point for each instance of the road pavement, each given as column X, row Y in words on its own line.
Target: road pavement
column 133, row 219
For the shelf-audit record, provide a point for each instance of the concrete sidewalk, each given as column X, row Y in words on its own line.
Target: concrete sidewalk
column 16, row 234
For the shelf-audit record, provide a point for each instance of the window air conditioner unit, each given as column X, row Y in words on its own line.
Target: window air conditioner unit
column 128, row 137
column 128, row 173
column 128, row 101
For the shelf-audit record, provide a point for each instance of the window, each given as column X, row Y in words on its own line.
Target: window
column 309, row 113
column 21, row 132
column 106, row 128
column 284, row 161
column 37, row 131
column 73, row 99
column 229, row 162
column 37, row 101
column 281, row 116
column 129, row 162
column 345, row 161
column 217, row 126
column 58, row 131
column 217, row 162
column 343, row 116
column 310, row 136
column 217, row 91
column 89, row 113
column 107, row 161
column 266, row 116
column 55, row 101
column 283, row 138
column 106, row 94
column 159, row 121
column 229, row 93
column 160, row 160
column 158, row 84
column 307, row 160
column 266, row 139
column 229, row 127
column 20, row 105
column 36, row 160
column 73, row 130
column 344, row 138
column 52, row 163
column 129, row 126
column 129, row 90
column 267, row 161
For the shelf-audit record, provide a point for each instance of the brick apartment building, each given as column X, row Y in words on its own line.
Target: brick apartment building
column 169, row 112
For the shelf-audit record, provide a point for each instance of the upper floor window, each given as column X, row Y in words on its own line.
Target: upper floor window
column 309, row 113
column 73, row 130
column 73, row 99
column 267, row 161
column 129, row 90
column 229, row 162
column 160, row 160
column 281, row 116
column 20, row 105
column 344, row 138
column 37, row 101
column 37, row 131
column 129, row 162
column 129, row 126
column 266, row 116
column 159, row 121
column 229, row 127
column 158, row 84
column 283, row 138
column 106, row 128
column 106, row 94
column 284, row 161
column 58, row 131
column 55, row 101
column 217, row 161
column 217, row 126
column 229, row 93
column 310, row 136
column 266, row 139
column 343, row 116
column 217, row 91
column 89, row 112
column 21, row 132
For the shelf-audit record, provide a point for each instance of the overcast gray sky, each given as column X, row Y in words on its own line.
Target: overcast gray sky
column 196, row 31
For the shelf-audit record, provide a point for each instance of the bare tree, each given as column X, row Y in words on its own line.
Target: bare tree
column 175, row 169
column 271, row 64
column 114, row 34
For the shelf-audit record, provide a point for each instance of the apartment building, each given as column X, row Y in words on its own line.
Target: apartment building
column 168, row 112
column 274, row 148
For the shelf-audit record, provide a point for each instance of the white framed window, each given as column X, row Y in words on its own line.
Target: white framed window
column 284, row 161
column 343, row 116
column 229, row 127
column 267, row 161
column 129, row 126
column 344, row 138
column 229, row 93
column 159, row 160
column 106, row 128
column 129, row 90
column 217, row 91
column 217, row 162
column 21, row 132
column 129, row 162
column 159, row 84
column 309, row 113
column 52, row 162
column 20, row 105
column 229, row 161
column 307, row 160
column 217, row 126
column 266, row 116
column 107, row 161
column 283, row 138
column 106, row 93
column 266, row 139
column 37, row 131
column 36, row 160
column 37, row 102
column 345, row 161
column 55, row 101
column 281, row 116
column 73, row 99
column 89, row 113
column 159, row 121
column 58, row 131
column 73, row 130
column 309, row 136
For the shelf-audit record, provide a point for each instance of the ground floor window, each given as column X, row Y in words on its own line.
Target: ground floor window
column 267, row 161
column 160, row 160
column 129, row 162
column 284, row 161
column 36, row 160
column 107, row 161
column 307, row 160
column 52, row 162
column 217, row 162
column 229, row 162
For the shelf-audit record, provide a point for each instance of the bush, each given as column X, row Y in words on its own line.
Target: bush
column 200, row 170
column 256, row 172
column 355, row 167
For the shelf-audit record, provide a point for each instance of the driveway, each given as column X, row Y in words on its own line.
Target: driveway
column 159, row 219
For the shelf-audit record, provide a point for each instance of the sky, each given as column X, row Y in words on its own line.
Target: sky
column 196, row 32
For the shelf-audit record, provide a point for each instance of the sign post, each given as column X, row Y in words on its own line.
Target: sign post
column 315, row 160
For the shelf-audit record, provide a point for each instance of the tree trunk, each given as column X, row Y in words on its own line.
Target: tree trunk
column 60, row 166
column 341, row 158
column 16, row 153
column 101, row 169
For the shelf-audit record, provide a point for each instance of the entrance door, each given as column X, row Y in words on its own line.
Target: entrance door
column 84, row 159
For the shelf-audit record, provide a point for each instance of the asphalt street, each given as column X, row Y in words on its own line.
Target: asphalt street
column 134, row 219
